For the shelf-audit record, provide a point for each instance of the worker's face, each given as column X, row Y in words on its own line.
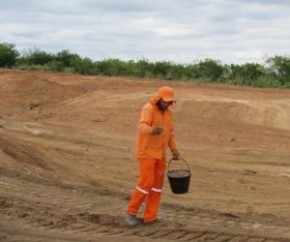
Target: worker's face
column 163, row 105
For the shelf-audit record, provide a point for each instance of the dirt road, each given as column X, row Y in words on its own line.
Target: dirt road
column 67, row 164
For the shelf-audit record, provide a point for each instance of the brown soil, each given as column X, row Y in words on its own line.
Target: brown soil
column 67, row 164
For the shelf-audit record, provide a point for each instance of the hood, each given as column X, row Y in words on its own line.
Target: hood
column 166, row 93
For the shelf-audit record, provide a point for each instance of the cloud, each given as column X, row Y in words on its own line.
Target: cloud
column 173, row 30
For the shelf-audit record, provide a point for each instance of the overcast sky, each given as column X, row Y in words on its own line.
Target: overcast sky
column 180, row 31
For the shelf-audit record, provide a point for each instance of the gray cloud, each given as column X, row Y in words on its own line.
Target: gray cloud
column 180, row 31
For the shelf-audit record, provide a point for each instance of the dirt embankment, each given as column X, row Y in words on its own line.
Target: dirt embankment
column 67, row 163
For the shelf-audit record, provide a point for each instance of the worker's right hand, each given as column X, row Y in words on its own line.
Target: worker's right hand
column 157, row 130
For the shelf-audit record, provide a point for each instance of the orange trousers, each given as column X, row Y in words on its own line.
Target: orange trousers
column 149, row 188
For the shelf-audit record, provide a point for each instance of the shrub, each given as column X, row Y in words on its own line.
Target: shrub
column 8, row 55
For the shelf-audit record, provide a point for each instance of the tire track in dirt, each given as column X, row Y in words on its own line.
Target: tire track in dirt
column 56, row 207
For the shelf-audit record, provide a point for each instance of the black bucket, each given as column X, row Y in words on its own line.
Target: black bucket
column 179, row 180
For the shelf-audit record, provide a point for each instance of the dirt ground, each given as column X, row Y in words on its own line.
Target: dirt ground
column 67, row 164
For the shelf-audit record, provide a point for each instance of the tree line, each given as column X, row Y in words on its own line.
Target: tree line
column 274, row 72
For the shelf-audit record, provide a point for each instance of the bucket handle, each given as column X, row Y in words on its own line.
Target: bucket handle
column 182, row 159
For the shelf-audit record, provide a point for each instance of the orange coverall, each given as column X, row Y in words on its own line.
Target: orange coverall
column 151, row 155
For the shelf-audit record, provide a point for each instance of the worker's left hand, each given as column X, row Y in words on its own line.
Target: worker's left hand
column 175, row 155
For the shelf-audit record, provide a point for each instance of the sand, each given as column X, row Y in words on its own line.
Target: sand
column 67, row 164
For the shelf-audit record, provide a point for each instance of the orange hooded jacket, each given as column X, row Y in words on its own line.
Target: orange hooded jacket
column 154, row 146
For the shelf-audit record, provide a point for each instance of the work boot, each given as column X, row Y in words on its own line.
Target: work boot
column 132, row 220
column 153, row 222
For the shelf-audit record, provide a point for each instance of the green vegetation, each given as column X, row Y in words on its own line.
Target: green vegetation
column 275, row 72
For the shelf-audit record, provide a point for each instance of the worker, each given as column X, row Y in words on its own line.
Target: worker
column 155, row 135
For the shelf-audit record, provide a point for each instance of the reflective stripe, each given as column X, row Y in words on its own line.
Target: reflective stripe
column 141, row 190
column 156, row 190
